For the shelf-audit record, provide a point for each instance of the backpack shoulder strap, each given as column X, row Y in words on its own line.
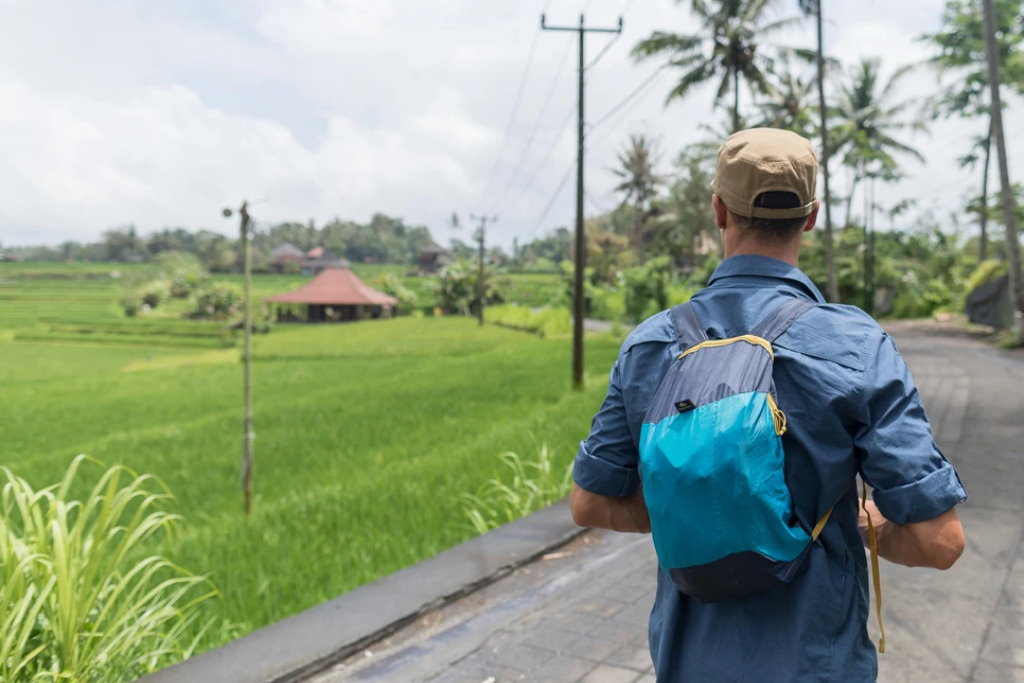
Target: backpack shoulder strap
column 688, row 327
column 777, row 322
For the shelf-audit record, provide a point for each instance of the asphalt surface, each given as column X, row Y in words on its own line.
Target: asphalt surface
column 580, row 614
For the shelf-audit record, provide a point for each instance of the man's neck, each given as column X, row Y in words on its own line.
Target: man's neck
column 788, row 252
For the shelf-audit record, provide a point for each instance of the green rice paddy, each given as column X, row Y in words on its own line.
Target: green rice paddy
column 367, row 433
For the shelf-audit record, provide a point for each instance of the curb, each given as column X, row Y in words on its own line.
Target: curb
column 304, row 644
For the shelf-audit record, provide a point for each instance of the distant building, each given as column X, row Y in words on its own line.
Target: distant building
column 335, row 295
column 433, row 257
column 286, row 257
column 324, row 260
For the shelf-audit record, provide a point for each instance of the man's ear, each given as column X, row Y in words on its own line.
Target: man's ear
column 812, row 217
column 720, row 211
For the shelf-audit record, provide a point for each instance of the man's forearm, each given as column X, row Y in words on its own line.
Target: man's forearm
column 603, row 512
column 935, row 543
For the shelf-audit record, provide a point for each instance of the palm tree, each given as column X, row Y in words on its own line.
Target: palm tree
column 725, row 49
column 832, row 284
column 788, row 105
column 960, row 44
column 868, row 121
column 639, row 184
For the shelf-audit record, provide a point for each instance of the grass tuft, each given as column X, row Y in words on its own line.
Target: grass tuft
column 83, row 605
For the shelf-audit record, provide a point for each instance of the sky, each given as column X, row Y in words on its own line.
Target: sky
column 159, row 114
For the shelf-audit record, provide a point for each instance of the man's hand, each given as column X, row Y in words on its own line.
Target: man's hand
column 936, row 543
column 603, row 512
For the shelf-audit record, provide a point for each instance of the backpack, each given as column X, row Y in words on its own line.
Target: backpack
column 713, row 468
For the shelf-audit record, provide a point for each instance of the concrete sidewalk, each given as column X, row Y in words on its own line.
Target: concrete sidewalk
column 580, row 614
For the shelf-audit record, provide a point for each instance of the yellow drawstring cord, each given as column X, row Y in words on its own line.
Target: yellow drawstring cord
column 876, row 576
column 778, row 416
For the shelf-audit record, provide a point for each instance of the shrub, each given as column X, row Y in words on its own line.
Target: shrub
column 217, row 301
column 532, row 485
column 183, row 272
column 131, row 302
column 647, row 288
column 391, row 285
column 153, row 293
column 80, row 603
column 457, row 288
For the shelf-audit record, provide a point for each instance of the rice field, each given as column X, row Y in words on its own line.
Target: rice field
column 367, row 434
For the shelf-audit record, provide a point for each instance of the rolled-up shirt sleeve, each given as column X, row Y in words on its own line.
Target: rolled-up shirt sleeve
column 606, row 462
column 899, row 459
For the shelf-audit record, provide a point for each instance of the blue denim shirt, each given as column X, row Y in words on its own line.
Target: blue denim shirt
column 852, row 408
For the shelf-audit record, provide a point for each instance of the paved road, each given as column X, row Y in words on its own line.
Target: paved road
column 580, row 614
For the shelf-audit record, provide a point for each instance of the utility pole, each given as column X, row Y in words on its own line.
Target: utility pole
column 1009, row 209
column 247, row 432
column 579, row 309
column 831, row 284
column 480, row 237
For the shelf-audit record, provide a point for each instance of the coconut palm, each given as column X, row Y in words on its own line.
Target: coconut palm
column 789, row 104
column 725, row 49
column 960, row 45
column 868, row 121
column 639, row 184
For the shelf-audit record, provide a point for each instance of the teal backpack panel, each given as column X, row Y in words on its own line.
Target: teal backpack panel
column 718, row 470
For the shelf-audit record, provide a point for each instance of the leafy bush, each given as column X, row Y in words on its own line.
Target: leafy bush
column 79, row 603
column 153, row 293
column 183, row 272
column 390, row 284
column 647, row 288
column 457, row 286
column 532, row 485
column 608, row 303
column 217, row 301
column 131, row 303
column 985, row 272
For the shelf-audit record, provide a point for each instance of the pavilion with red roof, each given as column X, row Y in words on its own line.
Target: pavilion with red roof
column 335, row 295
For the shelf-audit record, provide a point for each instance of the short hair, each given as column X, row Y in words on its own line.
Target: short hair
column 775, row 229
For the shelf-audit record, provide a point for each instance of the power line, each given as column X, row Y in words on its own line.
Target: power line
column 593, row 203
column 625, row 100
column 541, row 165
column 600, row 54
column 536, row 126
column 608, row 45
column 551, row 201
column 515, row 110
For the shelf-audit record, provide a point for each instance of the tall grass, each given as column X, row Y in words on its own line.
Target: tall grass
column 545, row 322
column 78, row 601
column 528, row 485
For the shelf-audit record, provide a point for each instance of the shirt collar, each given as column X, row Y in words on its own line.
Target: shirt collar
column 765, row 266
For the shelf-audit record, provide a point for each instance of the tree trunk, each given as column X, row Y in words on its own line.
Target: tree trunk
column 832, row 286
column 983, row 215
column 735, row 100
column 853, row 190
column 1009, row 207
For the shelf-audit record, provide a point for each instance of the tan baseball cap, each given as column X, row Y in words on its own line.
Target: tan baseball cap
column 758, row 160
